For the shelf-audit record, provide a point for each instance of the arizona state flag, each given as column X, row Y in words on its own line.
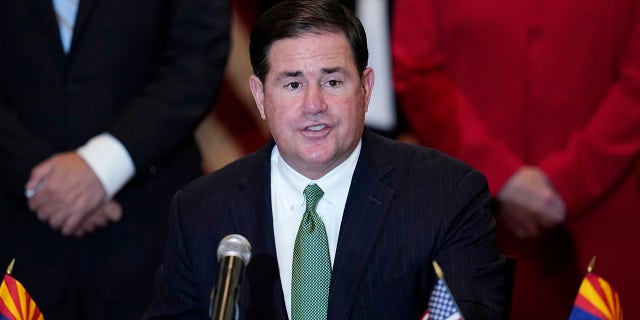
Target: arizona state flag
column 596, row 299
column 15, row 301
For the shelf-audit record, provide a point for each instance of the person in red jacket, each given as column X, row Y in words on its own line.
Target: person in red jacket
column 543, row 97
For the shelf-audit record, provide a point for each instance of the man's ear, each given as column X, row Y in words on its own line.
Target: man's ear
column 368, row 79
column 257, row 91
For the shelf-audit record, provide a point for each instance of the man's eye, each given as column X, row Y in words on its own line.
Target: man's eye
column 293, row 85
column 333, row 83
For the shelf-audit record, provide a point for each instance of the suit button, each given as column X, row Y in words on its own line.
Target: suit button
column 153, row 170
column 71, row 88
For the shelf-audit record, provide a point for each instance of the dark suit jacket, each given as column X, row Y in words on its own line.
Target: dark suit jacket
column 146, row 71
column 407, row 206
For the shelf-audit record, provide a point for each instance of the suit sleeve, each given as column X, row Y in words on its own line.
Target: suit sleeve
column 438, row 112
column 468, row 253
column 21, row 151
column 176, row 293
column 598, row 156
column 169, row 108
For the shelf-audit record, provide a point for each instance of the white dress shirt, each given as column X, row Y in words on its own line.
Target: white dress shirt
column 66, row 12
column 109, row 160
column 288, row 205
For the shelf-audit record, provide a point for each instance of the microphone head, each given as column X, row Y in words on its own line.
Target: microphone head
column 235, row 245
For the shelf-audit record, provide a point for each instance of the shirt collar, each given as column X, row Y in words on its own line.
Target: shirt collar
column 333, row 183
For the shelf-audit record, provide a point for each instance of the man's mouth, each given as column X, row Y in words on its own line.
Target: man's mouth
column 316, row 128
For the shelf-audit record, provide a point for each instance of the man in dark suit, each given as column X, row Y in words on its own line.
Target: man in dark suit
column 386, row 209
column 98, row 103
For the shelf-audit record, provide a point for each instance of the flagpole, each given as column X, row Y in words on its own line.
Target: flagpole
column 592, row 264
column 438, row 270
column 10, row 268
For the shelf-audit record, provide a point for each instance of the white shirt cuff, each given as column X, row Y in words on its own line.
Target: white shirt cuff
column 109, row 160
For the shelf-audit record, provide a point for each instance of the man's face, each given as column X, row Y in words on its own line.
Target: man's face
column 313, row 101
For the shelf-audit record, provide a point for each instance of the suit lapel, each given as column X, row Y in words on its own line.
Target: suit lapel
column 84, row 11
column 367, row 205
column 45, row 16
column 252, row 211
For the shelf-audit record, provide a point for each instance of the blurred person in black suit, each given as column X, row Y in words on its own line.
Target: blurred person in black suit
column 98, row 103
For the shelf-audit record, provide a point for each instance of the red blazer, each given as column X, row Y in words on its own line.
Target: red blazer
column 555, row 84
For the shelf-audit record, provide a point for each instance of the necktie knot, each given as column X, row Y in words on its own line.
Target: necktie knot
column 312, row 194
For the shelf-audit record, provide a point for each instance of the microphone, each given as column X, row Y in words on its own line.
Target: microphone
column 234, row 253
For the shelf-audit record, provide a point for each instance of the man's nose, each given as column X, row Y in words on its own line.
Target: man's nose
column 314, row 101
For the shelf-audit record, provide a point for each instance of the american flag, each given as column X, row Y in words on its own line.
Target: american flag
column 441, row 304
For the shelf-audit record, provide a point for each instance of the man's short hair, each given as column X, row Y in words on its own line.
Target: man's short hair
column 295, row 18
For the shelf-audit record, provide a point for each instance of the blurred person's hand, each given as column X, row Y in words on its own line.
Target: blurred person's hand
column 63, row 190
column 111, row 211
column 529, row 203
